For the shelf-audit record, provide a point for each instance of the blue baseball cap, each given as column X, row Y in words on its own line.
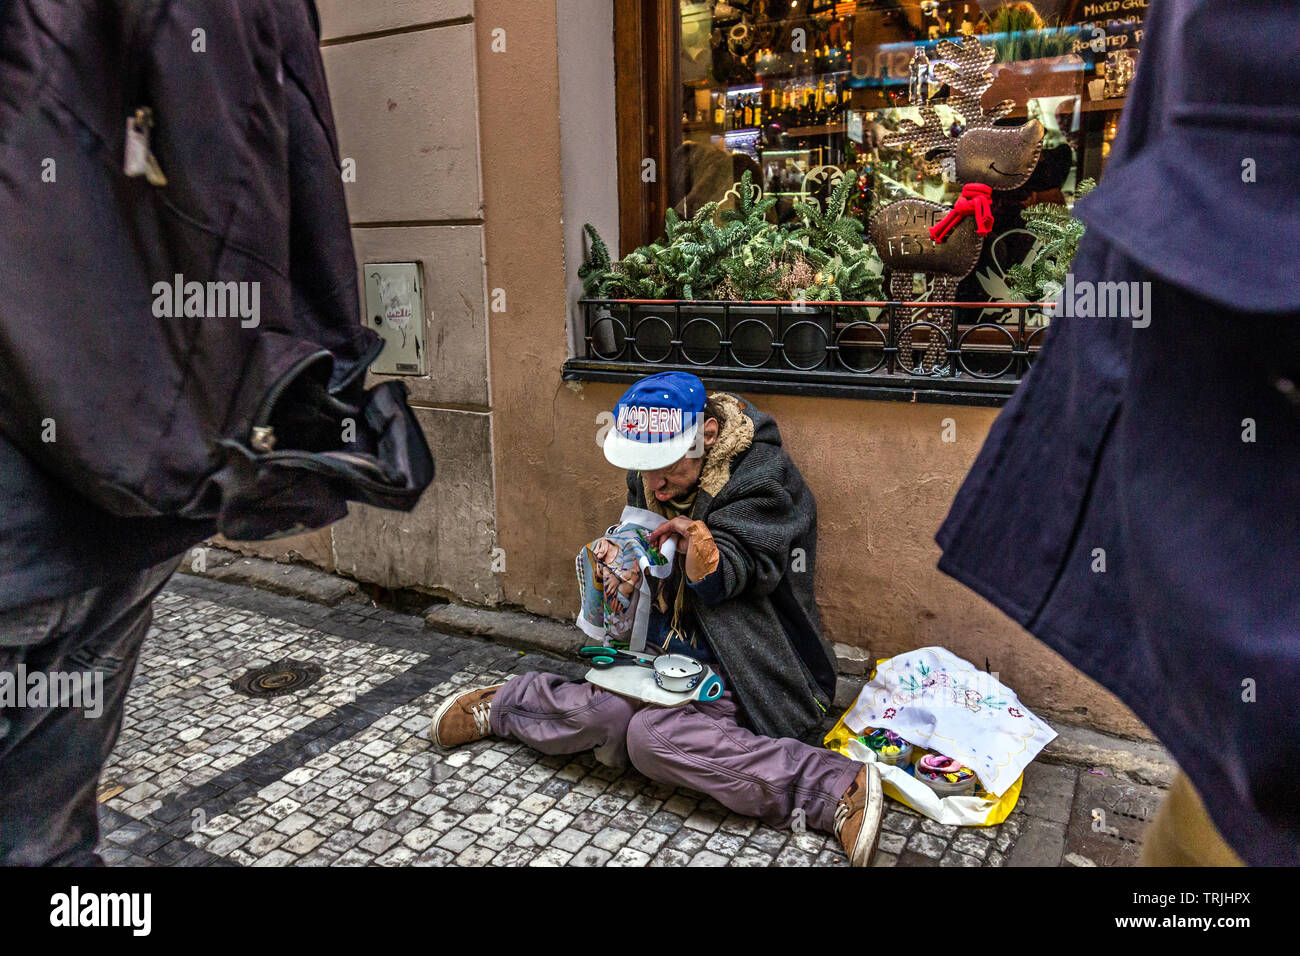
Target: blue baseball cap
column 655, row 422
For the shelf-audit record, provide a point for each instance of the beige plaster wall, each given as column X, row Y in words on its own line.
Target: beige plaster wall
column 884, row 478
column 349, row 18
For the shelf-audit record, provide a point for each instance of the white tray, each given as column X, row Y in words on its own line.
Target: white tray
column 639, row 683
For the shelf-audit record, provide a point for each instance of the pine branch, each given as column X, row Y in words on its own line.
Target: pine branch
column 595, row 268
column 1058, row 234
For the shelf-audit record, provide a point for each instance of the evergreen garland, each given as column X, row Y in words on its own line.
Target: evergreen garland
column 831, row 229
column 1058, row 233
column 739, row 255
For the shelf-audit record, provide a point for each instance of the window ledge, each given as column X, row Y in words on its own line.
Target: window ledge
column 876, row 351
column 880, row 388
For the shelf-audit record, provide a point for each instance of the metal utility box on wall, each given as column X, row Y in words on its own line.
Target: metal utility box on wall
column 395, row 309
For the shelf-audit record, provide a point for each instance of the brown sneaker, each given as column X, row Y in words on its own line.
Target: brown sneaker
column 857, row 818
column 463, row 718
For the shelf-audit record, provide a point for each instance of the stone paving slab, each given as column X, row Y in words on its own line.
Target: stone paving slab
column 340, row 773
column 296, row 580
column 511, row 628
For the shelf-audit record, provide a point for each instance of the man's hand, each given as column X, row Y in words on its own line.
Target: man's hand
column 677, row 528
column 694, row 544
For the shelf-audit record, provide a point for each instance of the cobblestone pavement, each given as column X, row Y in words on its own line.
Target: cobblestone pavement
column 341, row 773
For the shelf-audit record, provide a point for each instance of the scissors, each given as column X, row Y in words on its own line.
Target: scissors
column 603, row 657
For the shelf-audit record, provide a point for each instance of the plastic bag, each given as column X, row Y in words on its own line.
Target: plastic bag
column 932, row 698
column 930, row 695
column 979, row 810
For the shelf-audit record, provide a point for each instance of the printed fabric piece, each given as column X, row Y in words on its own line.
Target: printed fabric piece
column 933, row 699
column 612, row 581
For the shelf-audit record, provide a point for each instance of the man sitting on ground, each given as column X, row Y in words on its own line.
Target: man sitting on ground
column 740, row 599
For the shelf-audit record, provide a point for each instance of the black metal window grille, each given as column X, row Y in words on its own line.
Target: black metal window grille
column 877, row 350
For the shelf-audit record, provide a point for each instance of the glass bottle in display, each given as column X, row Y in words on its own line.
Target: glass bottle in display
column 918, row 74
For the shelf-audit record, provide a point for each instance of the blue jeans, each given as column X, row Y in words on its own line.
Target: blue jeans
column 53, row 743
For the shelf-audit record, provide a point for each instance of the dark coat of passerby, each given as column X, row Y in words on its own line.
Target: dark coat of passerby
column 241, row 180
column 1137, row 503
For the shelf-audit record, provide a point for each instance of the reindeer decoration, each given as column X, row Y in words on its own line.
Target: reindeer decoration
column 914, row 235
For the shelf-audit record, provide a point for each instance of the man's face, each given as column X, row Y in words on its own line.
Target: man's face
column 683, row 475
column 677, row 479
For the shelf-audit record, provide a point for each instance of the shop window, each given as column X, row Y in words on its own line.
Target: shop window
column 800, row 93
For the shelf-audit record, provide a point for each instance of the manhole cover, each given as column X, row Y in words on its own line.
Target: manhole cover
column 282, row 677
column 1109, row 819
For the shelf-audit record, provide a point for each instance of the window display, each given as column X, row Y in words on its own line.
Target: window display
column 799, row 91
column 865, row 197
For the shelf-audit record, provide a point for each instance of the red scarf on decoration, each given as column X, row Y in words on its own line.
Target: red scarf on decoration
column 976, row 200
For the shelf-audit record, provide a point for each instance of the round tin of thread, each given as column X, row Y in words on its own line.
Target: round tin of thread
column 889, row 747
column 945, row 776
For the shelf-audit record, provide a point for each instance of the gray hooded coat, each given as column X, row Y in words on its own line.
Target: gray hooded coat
column 757, row 610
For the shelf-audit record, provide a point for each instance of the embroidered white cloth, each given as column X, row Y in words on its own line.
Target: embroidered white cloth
column 933, row 699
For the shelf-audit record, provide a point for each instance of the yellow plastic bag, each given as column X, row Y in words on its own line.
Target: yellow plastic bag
column 979, row 810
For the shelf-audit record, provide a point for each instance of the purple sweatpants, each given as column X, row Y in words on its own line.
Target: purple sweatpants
column 696, row 745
